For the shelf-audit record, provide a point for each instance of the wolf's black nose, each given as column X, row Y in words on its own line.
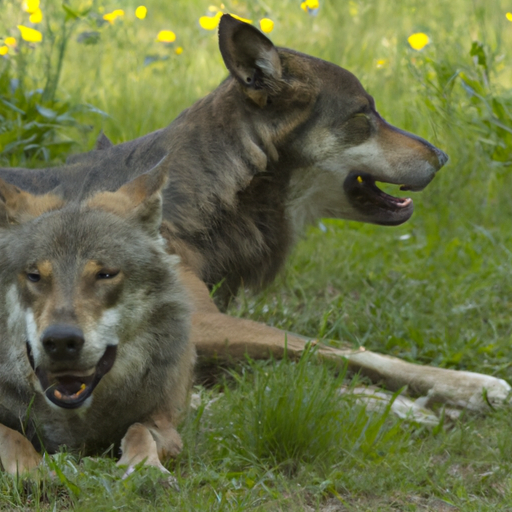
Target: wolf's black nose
column 63, row 342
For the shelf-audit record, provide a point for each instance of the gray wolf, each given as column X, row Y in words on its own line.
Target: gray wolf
column 95, row 346
column 285, row 139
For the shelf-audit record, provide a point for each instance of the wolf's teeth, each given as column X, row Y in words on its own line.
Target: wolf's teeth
column 80, row 391
column 59, row 396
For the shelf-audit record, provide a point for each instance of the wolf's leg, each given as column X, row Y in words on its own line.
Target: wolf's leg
column 217, row 335
column 151, row 442
column 138, row 445
column 225, row 337
column 17, row 454
column 157, row 439
column 168, row 441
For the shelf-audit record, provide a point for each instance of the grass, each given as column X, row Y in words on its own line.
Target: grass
column 437, row 290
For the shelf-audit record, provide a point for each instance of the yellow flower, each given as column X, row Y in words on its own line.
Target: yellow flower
column 418, row 41
column 381, row 63
column 141, row 12
column 10, row 41
column 36, row 16
column 509, row 16
column 240, row 19
column 166, row 36
column 213, row 8
column 309, row 5
column 178, row 50
column 111, row 16
column 210, row 22
column 30, row 34
column 3, row 50
column 266, row 25
column 30, row 6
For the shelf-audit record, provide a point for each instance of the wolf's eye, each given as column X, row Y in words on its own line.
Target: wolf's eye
column 107, row 274
column 33, row 277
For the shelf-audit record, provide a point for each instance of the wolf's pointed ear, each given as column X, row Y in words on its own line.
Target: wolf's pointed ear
column 102, row 142
column 139, row 200
column 18, row 206
column 250, row 57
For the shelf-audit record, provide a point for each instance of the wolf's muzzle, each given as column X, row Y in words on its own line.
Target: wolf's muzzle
column 70, row 389
column 63, row 342
column 441, row 156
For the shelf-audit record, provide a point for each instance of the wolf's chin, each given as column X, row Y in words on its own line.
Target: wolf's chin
column 70, row 390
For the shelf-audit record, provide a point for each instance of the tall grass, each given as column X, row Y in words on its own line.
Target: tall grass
column 291, row 413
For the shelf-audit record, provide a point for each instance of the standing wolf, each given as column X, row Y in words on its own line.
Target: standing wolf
column 287, row 138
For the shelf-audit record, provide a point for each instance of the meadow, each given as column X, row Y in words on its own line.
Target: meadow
column 436, row 290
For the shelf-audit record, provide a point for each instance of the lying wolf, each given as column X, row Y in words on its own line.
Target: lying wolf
column 287, row 138
column 95, row 326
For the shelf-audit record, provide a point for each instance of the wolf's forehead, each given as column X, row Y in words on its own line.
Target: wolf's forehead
column 327, row 73
column 70, row 242
column 48, row 267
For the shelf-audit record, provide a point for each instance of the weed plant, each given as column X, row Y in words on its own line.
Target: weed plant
column 437, row 290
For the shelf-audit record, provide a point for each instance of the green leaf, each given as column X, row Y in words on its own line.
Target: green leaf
column 11, row 106
column 477, row 50
column 62, row 477
column 48, row 113
column 70, row 14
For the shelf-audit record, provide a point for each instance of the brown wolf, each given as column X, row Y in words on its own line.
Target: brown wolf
column 285, row 139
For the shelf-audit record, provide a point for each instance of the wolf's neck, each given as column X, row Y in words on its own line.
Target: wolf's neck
column 306, row 199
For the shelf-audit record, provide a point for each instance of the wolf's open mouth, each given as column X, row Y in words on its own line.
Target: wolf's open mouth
column 366, row 196
column 71, row 389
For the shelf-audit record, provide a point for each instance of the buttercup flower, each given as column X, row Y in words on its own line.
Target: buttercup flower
column 166, row 36
column 509, row 16
column 141, row 12
column 178, row 50
column 210, row 22
column 266, row 25
column 36, row 16
column 112, row 16
column 418, row 41
column 10, row 41
column 30, row 35
column 30, row 6
column 3, row 50
column 309, row 5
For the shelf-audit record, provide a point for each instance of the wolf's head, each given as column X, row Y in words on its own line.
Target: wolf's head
column 84, row 280
column 316, row 119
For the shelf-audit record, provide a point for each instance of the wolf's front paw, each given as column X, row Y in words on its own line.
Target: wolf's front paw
column 17, row 454
column 474, row 391
column 138, row 446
